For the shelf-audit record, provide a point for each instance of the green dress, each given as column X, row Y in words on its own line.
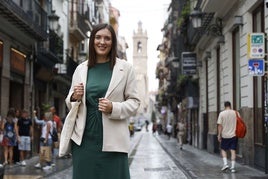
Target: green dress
column 89, row 162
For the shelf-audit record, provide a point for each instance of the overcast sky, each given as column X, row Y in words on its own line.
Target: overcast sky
column 152, row 14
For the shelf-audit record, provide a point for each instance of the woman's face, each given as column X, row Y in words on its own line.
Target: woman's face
column 103, row 42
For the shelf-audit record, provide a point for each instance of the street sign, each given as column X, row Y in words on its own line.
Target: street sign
column 256, row 45
column 256, row 67
column 188, row 63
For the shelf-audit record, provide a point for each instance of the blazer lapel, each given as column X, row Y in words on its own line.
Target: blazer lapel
column 117, row 76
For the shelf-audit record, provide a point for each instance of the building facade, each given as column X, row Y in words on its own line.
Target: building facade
column 220, row 43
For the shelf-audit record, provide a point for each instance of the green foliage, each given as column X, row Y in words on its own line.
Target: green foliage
column 45, row 107
column 184, row 13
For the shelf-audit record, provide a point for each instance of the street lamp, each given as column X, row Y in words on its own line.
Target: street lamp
column 213, row 29
column 196, row 16
column 53, row 20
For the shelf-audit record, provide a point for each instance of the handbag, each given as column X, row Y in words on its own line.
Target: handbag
column 241, row 128
column 45, row 154
column 67, row 130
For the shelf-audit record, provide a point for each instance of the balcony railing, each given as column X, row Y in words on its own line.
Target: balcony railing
column 56, row 45
column 78, row 25
column 26, row 15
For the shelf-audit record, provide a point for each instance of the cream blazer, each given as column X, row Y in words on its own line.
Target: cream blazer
column 122, row 92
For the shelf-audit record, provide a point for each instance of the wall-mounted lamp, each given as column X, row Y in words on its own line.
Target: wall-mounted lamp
column 238, row 21
column 213, row 29
column 196, row 16
column 53, row 20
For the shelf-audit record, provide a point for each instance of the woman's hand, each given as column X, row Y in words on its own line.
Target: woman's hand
column 105, row 105
column 78, row 92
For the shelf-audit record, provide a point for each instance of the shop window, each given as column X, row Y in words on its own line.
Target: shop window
column 18, row 61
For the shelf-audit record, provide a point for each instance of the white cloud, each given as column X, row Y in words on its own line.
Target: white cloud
column 152, row 14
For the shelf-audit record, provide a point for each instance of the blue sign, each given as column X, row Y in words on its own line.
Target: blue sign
column 256, row 67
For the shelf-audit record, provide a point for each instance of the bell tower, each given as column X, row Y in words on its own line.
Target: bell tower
column 140, row 65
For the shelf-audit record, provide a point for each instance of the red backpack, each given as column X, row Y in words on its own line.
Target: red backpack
column 241, row 128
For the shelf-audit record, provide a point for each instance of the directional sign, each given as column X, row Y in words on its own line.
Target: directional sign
column 256, row 45
column 256, row 67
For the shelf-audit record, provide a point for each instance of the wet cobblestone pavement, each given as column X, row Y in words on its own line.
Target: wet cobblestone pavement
column 151, row 157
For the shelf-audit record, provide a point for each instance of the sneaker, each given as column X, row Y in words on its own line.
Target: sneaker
column 233, row 170
column 38, row 165
column 224, row 167
column 18, row 163
column 47, row 167
column 1, row 166
column 53, row 164
column 23, row 163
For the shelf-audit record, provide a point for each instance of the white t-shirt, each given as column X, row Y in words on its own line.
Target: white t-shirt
column 169, row 128
column 44, row 129
column 227, row 119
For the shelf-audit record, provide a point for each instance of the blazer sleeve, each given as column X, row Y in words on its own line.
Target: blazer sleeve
column 75, row 80
column 131, row 103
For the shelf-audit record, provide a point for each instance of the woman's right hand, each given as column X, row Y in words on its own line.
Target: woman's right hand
column 78, row 92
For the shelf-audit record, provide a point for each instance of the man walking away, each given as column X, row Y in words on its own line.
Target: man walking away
column 169, row 130
column 226, row 135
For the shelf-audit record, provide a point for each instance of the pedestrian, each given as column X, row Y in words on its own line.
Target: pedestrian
column 107, row 88
column 45, row 139
column 9, row 139
column 25, row 136
column 56, row 118
column 147, row 125
column 154, row 128
column 169, row 130
column 16, row 152
column 180, row 132
column 226, row 135
column 58, row 124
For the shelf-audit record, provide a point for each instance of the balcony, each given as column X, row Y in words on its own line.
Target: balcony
column 30, row 18
column 78, row 26
column 49, row 56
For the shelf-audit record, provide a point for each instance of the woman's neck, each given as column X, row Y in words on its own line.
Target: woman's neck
column 102, row 59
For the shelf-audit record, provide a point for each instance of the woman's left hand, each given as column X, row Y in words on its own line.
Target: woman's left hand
column 105, row 105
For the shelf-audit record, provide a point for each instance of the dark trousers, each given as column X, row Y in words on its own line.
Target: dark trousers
column 16, row 154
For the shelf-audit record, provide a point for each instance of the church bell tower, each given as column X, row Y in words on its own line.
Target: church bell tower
column 140, row 65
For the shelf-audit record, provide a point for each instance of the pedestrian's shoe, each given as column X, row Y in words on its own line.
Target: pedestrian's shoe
column 233, row 170
column 53, row 164
column 47, row 167
column 23, row 163
column 1, row 166
column 225, row 167
column 38, row 165
column 5, row 163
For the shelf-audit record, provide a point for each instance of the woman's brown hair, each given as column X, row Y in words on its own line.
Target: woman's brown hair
column 92, row 60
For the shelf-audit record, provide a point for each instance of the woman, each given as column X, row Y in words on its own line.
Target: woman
column 9, row 139
column 106, row 90
column 45, row 139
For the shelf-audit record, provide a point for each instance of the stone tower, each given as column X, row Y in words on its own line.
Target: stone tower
column 140, row 65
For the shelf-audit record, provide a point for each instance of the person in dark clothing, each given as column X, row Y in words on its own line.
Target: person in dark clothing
column 25, row 136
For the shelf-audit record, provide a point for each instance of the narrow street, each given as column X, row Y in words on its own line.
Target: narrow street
column 151, row 157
